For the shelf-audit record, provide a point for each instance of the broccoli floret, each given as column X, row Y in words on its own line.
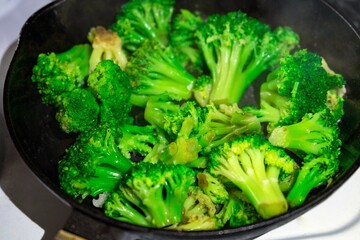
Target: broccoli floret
column 201, row 89
column 138, row 140
column 77, row 111
column 237, row 49
column 111, row 86
column 301, row 84
column 224, row 122
column 57, row 73
column 238, row 211
column 199, row 213
column 138, row 20
column 156, row 71
column 93, row 164
column 106, row 45
column 317, row 133
column 151, row 195
column 253, row 165
column 213, row 187
column 193, row 130
column 316, row 171
column 182, row 39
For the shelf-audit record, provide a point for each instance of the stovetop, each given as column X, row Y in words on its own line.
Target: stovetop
column 338, row 217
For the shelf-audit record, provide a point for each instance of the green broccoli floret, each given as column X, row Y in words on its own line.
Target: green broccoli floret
column 237, row 49
column 193, row 130
column 57, row 73
column 93, row 164
column 111, row 86
column 316, row 171
column 199, row 213
column 253, row 165
column 238, row 211
column 156, row 71
column 138, row 20
column 301, row 84
column 212, row 187
column 77, row 110
column 151, row 195
column 201, row 89
column 106, row 45
column 139, row 141
column 182, row 39
column 317, row 133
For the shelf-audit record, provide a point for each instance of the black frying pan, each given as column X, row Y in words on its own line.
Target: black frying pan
column 62, row 24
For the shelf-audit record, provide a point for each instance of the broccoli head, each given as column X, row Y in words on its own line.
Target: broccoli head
column 182, row 39
column 253, row 165
column 156, row 71
column 111, row 86
column 301, row 84
column 106, row 45
column 151, row 195
column 316, row 133
column 138, row 20
column 57, row 73
column 237, row 49
column 93, row 164
column 77, row 110
column 316, row 171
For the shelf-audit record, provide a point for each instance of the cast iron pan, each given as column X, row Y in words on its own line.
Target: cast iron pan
column 64, row 23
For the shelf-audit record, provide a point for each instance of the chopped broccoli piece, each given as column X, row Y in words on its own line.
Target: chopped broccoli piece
column 253, row 165
column 93, row 164
column 199, row 213
column 138, row 140
column 316, row 134
column 78, row 111
column 237, row 49
column 111, row 86
column 182, row 39
column 106, row 45
column 315, row 172
column 213, row 187
column 301, row 84
column 57, row 73
column 138, row 20
column 156, row 71
column 158, row 192
column 238, row 211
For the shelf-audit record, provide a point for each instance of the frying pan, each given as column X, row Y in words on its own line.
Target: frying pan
column 61, row 24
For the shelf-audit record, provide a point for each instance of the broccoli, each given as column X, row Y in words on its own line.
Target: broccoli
column 156, row 71
column 77, row 110
column 106, row 45
column 238, row 211
column 182, row 39
column 151, row 195
column 199, row 213
column 140, row 141
column 237, row 49
column 58, row 73
column 193, row 130
column 316, row 133
column 111, row 86
column 212, row 187
column 93, row 164
column 201, row 90
column 138, row 20
column 301, row 84
column 315, row 172
column 253, row 165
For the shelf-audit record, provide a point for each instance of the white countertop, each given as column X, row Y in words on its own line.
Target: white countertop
column 338, row 217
